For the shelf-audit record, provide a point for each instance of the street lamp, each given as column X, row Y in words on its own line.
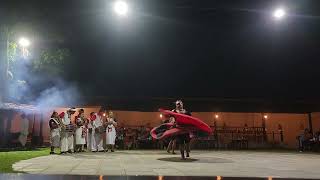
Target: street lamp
column 24, row 42
column 121, row 8
column 279, row 14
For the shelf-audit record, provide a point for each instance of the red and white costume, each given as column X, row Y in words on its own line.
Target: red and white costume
column 97, row 141
column 90, row 135
column 55, row 131
column 66, row 137
column 80, row 136
column 111, row 131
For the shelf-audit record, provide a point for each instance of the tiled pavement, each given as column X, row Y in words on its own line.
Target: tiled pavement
column 203, row 163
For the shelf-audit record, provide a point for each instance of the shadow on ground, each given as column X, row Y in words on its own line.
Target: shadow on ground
column 202, row 160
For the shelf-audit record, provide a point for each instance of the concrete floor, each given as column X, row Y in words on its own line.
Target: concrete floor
column 202, row 163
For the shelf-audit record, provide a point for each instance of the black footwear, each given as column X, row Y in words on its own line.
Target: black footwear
column 188, row 155
column 107, row 150
column 174, row 153
column 94, row 151
column 52, row 152
column 101, row 151
column 70, row 152
column 112, row 150
column 63, row 152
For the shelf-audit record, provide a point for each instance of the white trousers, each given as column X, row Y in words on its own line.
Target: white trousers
column 97, row 142
column 89, row 141
column 66, row 141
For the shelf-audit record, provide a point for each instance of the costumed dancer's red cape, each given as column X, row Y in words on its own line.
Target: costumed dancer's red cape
column 184, row 124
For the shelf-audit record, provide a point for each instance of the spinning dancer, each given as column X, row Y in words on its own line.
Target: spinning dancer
column 183, row 140
column 184, row 124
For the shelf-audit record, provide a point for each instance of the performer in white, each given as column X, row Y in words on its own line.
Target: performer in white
column 80, row 131
column 67, row 132
column 24, row 130
column 90, row 136
column 55, row 130
column 111, row 123
column 97, row 130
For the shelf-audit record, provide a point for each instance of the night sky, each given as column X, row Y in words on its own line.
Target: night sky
column 185, row 48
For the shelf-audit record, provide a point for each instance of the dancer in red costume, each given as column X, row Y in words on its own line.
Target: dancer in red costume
column 184, row 125
column 183, row 140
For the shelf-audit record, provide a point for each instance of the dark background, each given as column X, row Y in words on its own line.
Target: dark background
column 185, row 48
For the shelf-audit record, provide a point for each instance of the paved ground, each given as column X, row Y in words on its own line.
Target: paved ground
column 203, row 163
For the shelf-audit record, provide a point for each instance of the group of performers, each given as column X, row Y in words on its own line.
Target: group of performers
column 72, row 137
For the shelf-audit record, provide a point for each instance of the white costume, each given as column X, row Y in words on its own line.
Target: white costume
column 111, row 131
column 55, row 133
column 24, row 131
column 66, row 137
column 80, row 136
column 90, row 136
column 97, row 143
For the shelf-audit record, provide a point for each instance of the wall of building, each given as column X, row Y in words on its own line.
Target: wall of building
column 316, row 121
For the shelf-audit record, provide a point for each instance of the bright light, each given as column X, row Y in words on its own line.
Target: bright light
column 104, row 114
column 216, row 116
column 121, row 8
column 161, row 115
column 279, row 13
column 265, row 116
column 24, row 42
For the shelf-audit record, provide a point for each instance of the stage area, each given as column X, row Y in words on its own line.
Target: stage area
column 201, row 163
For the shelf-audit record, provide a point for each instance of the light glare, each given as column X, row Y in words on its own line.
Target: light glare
column 24, row 42
column 279, row 13
column 121, row 8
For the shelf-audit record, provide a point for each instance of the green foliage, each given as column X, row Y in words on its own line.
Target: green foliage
column 7, row 159
column 12, row 52
column 51, row 60
column 46, row 60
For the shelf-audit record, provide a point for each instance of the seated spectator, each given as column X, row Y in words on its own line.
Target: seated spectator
column 120, row 138
column 129, row 138
column 307, row 139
